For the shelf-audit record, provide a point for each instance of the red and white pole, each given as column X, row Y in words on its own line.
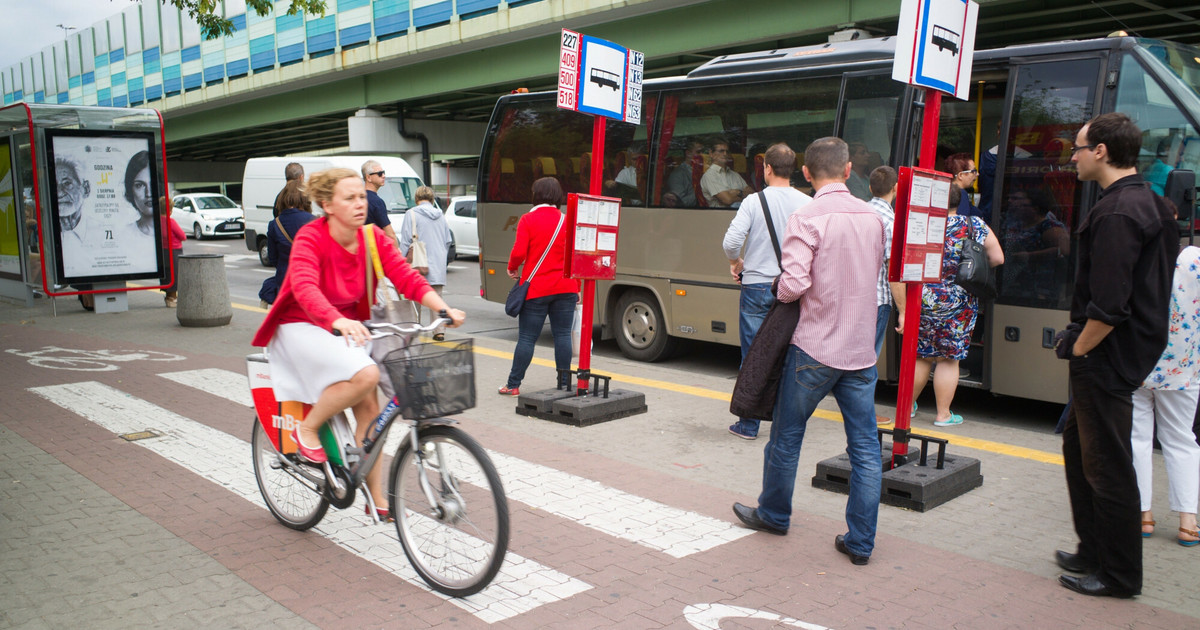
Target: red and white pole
column 589, row 286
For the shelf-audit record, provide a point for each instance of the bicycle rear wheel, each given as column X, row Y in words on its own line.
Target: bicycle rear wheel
column 458, row 546
column 292, row 499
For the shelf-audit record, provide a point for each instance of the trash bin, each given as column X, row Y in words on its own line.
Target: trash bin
column 203, row 291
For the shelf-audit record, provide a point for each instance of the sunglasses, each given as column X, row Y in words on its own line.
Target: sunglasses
column 379, row 173
column 973, row 171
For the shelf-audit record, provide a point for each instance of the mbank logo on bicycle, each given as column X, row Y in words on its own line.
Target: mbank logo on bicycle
column 287, row 422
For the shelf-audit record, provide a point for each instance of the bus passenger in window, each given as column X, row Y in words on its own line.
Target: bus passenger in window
column 721, row 185
column 1156, row 175
column 681, row 190
column 1036, row 243
column 860, row 168
column 625, row 185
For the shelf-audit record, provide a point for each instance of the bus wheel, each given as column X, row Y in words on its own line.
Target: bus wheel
column 641, row 330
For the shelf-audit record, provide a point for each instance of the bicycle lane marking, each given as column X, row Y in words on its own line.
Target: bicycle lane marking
column 676, row 532
column 521, row 585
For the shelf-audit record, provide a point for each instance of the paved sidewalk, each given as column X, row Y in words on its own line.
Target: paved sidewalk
column 90, row 519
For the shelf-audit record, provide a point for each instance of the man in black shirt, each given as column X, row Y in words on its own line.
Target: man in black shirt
column 1127, row 249
column 374, row 177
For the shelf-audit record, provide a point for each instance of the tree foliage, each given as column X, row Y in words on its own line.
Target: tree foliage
column 206, row 12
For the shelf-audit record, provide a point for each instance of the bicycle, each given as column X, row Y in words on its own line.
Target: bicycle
column 445, row 494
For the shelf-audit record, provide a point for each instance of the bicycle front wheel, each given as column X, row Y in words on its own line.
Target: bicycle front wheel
column 458, row 543
column 292, row 499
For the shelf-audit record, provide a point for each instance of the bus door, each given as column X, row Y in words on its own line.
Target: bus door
column 1037, row 204
column 872, row 117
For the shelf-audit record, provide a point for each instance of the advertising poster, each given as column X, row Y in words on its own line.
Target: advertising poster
column 103, row 197
column 10, row 239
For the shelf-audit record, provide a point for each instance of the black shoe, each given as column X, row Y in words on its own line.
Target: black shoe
column 1075, row 563
column 839, row 543
column 1091, row 585
column 749, row 517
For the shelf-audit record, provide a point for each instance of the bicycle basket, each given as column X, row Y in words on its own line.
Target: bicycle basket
column 433, row 380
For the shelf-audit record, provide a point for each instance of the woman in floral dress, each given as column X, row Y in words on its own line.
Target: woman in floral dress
column 948, row 314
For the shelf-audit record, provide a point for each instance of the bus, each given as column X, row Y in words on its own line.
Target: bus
column 1025, row 105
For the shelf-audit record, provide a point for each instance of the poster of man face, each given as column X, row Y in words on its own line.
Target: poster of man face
column 103, row 192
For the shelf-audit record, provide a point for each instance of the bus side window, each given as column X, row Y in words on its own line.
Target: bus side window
column 531, row 139
column 746, row 119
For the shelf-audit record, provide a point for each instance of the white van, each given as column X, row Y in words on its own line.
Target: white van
column 263, row 179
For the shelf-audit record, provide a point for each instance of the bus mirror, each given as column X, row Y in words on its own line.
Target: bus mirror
column 1181, row 191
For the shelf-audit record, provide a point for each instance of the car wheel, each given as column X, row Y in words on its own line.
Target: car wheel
column 197, row 233
column 262, row 253
column 452, row 253
column 641, row 328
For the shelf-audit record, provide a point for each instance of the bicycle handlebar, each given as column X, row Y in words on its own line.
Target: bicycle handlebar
column 383, row 329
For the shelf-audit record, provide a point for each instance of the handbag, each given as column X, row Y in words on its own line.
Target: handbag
column 757, row 384
column 516, row 295
column 383, row 307
column 418, row 259
column 974, row 273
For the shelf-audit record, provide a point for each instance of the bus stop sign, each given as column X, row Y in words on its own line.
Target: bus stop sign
column 935, row 44
column 599, row 77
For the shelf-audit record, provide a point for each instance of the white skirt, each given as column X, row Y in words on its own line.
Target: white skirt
column 306, row 359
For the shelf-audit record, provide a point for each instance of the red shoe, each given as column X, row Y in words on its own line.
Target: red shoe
column 314, row 455
column 510, row 391
column 383, row 515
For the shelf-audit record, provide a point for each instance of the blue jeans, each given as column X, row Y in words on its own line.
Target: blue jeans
column 805, row 383
column 756, row 300
column 561, row 309
column 881, row 321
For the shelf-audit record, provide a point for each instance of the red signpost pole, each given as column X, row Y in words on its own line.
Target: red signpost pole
column 589, row 286
column 912, row 292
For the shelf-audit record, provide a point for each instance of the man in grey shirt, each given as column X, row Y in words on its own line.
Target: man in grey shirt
column 751, row 254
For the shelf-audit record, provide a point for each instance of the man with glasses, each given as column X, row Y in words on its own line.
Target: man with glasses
column 722, row 186
column 1120, row 308
column 375, row 178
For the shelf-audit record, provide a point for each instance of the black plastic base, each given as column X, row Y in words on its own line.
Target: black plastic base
column 910, row 486
column 563, row 406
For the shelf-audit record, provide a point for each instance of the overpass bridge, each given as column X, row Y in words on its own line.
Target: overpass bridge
column 419, row 78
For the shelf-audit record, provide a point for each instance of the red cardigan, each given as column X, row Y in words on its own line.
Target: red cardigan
column 325, row 282
column 533, row 235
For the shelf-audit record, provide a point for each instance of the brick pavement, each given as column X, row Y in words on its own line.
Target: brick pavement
column 982, row 560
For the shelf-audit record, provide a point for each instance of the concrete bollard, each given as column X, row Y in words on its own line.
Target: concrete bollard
column 203, row 291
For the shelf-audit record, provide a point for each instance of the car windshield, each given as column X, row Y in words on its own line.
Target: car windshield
column 398, row 193
column 215, row 203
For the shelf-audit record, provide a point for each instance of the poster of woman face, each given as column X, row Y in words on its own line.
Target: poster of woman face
column 103, row 187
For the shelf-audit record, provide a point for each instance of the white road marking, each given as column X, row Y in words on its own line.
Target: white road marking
column 675, row 532
column 521, row 585
column 709, row 616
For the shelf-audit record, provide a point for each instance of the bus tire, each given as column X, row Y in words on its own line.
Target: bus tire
column 641, row 329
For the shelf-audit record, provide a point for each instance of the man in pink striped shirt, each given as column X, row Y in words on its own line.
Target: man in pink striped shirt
column 832, row 252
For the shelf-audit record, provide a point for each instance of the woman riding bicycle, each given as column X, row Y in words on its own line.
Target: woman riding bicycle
column 325, row 290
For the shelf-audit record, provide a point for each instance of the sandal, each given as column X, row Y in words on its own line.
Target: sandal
column 953, row 421
column 1149, row 522
column 1189, row 532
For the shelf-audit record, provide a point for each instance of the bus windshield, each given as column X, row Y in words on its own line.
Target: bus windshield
column 1182, row 62
column 398, row 193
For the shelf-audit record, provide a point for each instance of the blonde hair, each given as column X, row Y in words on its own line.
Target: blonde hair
column 321, row 184
column 424, row 193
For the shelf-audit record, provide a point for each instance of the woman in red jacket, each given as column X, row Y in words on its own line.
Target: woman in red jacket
column 176, row 239
column 549, row 292
column 325, row 290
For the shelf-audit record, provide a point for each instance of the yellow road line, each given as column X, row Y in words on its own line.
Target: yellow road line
column 989, row 446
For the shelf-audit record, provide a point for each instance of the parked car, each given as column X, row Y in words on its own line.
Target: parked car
column 208, row 214
column 460, row 216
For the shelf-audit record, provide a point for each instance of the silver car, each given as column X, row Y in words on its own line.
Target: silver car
column 460, row 216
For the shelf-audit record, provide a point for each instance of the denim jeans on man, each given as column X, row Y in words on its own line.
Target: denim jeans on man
column 804, row 384
column 756, row 300
column 882, row 317
column 561, row 309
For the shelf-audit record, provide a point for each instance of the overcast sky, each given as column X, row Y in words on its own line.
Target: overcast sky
column 29, row 25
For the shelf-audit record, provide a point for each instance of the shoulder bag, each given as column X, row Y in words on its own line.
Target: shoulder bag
column 417, row 257
column 974, row 273
column 516, row 295
column 757, row 384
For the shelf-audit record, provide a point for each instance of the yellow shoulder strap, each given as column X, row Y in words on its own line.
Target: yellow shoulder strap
column 373, row 248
